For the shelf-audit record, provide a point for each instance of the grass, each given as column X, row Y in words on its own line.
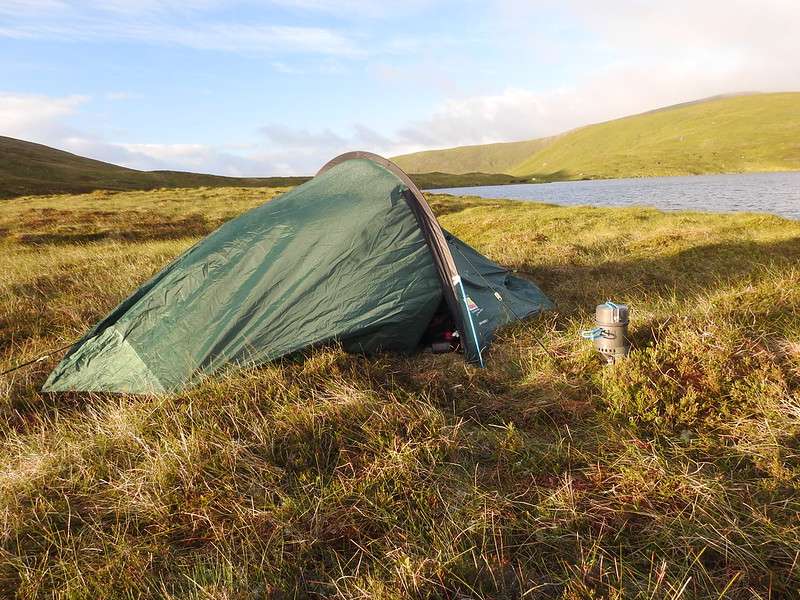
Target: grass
column 673, row 475
column 738, row 134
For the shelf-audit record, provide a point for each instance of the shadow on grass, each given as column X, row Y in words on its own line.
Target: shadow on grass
column 560, row 175
column 683, row 275
column 144, row 229
column 443, row 204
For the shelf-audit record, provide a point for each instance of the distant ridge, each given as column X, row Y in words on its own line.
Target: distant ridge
column 743, row 132
column 27, row 168
column 713, row 98
column 482, row 158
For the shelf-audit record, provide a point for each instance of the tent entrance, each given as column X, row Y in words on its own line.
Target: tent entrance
column 441, row 335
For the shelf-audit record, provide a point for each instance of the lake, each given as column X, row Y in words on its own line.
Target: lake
column 777, row 193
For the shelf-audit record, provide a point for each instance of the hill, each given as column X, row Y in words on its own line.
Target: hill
column 675, row 474
column 758, row 132
column 729, row 134
column 27, row 168
column 486, row 158
column 33, row 169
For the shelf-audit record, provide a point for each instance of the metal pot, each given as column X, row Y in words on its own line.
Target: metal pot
column 610, row 335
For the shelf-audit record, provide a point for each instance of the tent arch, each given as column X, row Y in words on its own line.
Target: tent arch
column 452, row 287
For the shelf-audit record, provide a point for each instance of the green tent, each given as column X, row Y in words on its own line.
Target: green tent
column 355, row 255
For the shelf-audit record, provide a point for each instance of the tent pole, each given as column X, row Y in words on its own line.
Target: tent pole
column 457, row 281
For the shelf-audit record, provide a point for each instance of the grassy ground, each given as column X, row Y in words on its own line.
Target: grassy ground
column 673, row 475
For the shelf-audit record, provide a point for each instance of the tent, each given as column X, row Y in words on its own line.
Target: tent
column 355, row 255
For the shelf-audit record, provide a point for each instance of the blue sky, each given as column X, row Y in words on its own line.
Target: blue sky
column 280, row 86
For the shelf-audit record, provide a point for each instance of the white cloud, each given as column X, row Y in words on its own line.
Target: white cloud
column 121, row 96
column 282, row 67
column 365, row 8
column 138, row 7
column 371, row 9
column 47, row 8
column 30, row 7
column 187, row 155
column 302, row 151
column 717, row 25
column 190, row 23
column 269, row 39
column 258, row 38
column 36, row 116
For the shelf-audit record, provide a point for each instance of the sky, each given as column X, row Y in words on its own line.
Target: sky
column 277, row 87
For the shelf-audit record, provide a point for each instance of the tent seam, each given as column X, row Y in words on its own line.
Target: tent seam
column 136, row 352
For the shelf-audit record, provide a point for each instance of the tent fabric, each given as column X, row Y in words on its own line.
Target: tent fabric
column 482, row 280
column 452, row 288
column 343, row 257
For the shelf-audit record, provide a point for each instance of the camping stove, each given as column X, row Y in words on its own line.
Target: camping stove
column 610, row 336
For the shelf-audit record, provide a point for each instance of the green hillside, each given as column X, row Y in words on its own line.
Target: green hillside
column 486, row 158
column 744, row 133
column 32, row 169
column 758, row 132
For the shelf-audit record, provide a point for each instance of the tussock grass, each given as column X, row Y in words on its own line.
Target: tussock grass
column 672, row 475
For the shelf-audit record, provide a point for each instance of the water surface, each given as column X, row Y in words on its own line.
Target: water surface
column 777, row 193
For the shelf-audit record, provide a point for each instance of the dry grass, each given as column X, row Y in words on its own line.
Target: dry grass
column 674, row 475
